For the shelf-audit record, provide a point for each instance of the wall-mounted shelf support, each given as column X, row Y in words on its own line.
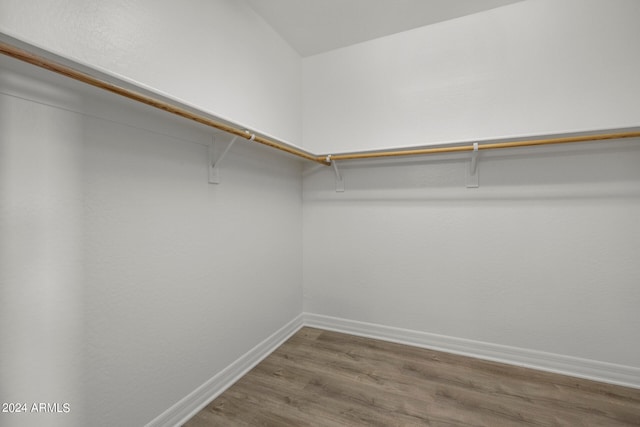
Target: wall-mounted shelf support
column 339, row 179
column 214, row 164
column 472, row 172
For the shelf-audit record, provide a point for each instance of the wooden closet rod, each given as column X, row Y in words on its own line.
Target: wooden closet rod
column 39, row 61
column 64, row 70
column 487, row 146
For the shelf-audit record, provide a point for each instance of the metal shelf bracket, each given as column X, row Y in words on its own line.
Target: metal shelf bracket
column 472, row 171
column 339, row 179
column 214, row 163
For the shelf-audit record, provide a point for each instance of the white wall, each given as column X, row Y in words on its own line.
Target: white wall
column 543, row 256
column 41, row 259
column 534, row 67
column 215, row 54
column 127, row 279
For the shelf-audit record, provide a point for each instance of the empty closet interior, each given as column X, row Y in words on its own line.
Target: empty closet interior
column 178, row 200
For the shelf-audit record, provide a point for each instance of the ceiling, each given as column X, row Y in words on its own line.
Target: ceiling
column 316, row 26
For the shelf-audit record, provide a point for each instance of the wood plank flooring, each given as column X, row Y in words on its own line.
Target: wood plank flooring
column 322, row 378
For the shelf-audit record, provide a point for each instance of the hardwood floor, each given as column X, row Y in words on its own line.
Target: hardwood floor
column 322, row 378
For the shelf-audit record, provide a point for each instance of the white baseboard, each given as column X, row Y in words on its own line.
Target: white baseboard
column 191, row 404
column 582, row 368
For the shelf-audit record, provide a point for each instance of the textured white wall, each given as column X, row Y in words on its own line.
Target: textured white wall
column 217, row 55
column 41, row 286
column 543, row 256
column 127, row 279
column 534, row 67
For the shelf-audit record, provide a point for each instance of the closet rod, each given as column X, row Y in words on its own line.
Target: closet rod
column 488, row 146
column 64, row 70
